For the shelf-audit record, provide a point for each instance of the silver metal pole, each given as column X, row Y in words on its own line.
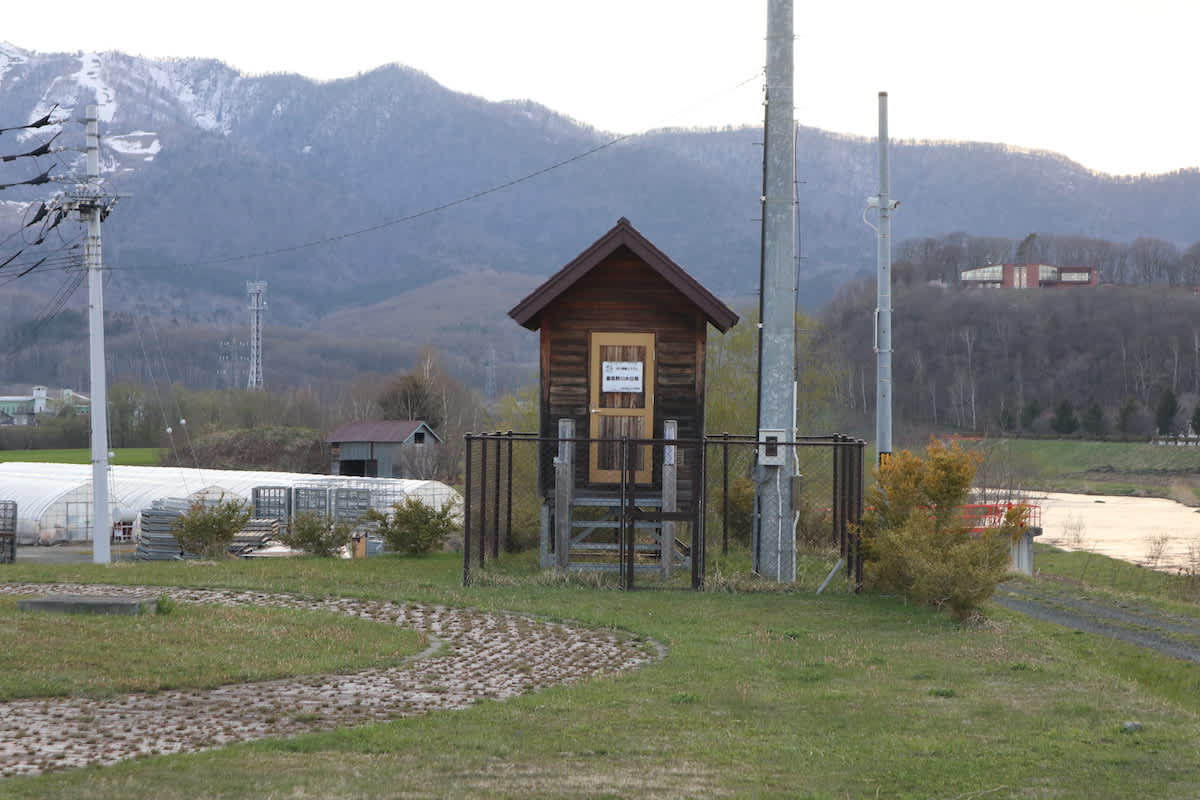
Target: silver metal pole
column 883, row 307
column 776, row 550
column 89, row 209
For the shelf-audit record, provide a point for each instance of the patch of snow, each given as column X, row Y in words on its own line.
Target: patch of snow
column 135, row 143
column 9, row 56
column 209, row 122
column 89, row 77
column 202, row 101
column 68, row 93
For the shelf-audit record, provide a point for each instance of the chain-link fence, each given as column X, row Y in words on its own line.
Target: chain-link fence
column 651, row 510
column 826, row 492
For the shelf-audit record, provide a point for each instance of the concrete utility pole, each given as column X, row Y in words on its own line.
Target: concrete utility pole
column 87, row 200
column 775, row 538
column 883, row 293
column 256, row 290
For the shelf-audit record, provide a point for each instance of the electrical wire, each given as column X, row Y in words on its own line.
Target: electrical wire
column 178, row 409
column 162, row 408
column 436, row 209
column 49, row 312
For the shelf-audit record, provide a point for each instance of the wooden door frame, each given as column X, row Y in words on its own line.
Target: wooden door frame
column 597, row 339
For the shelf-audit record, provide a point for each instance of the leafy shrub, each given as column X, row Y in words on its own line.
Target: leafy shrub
column 915, row 541
column 414, row 528
column 207, row 528
column 814, row 527
column 317, row 534
column 277, row 447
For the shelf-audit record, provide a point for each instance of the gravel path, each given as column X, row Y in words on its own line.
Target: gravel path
column 474, row 655
column 1170, row 634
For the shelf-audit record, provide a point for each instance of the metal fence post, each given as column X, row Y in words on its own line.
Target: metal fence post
column 839, row 515
column 564, row 481
column 468, row 486
column 699, row 534
column 628, row 517
column 496, row 500
column 483, row 495
column 725, row 494
column 508, row 494
column 856, row 511
column 670, row 496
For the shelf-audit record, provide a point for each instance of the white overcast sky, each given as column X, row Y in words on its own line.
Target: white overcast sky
column 1109, row 83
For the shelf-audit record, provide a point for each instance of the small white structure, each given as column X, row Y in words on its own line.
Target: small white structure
column 54, row 501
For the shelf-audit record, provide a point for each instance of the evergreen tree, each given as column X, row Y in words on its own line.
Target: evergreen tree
column 1030, row 413
column 1125, row 416
column 1164, row 413
column 1093, row 420
column 1064, row 421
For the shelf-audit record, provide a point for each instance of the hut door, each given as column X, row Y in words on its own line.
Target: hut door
column 620, row 403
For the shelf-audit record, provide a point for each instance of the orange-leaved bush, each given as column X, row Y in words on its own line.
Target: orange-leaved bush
column 915, row 541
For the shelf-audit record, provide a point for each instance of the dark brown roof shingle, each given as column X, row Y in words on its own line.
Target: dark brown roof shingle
column 527, row 311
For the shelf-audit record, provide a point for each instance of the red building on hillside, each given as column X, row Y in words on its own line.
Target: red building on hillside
column 1029, row 276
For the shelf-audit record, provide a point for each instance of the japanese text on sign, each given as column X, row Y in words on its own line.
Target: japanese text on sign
column 621, row 376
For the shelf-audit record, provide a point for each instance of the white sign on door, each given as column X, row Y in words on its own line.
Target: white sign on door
column 621, row 376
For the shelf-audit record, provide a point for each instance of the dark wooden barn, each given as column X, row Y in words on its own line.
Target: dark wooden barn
column 623, row 338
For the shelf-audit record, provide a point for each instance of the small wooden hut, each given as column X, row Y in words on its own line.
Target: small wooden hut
column 623, row 336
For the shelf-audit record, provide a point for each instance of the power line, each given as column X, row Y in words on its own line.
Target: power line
column 443, row 206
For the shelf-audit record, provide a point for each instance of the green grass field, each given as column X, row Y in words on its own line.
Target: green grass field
column 1069, row 465
column 761, row 694
column 128, row 456
column 1062, row 456
column 193, row 646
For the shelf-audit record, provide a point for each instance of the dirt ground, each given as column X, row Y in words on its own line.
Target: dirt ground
column 1072, row 607
column 1161, row 534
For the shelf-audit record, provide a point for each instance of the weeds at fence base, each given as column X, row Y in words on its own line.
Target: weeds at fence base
column 728, row 573
column 496, row 576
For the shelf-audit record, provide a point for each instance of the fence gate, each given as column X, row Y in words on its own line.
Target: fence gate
column 662, row 529
column 644, row 518
column 649, row 521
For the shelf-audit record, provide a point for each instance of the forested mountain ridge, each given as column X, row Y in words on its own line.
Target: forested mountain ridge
column 215, row 166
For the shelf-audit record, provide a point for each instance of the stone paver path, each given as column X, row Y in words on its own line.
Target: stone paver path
column 474, row 655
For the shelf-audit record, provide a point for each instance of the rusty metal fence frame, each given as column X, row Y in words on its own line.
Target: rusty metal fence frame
column 488, row 495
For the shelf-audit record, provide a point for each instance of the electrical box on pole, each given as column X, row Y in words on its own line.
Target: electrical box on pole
column 774, row 546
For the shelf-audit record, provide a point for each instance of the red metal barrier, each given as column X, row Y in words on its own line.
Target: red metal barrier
column 991, row 515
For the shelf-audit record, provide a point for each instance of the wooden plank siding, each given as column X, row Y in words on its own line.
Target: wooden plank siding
column 621, row 294
column 622, row 283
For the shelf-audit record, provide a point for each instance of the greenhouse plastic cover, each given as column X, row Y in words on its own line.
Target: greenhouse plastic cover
column 54, row 500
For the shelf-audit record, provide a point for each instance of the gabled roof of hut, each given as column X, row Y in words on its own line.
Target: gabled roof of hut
column 623, row 234
column 380, row 431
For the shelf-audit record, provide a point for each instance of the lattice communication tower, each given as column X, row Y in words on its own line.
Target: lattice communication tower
column 258, row 304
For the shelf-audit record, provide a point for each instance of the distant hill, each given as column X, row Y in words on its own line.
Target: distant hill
column 214, row 165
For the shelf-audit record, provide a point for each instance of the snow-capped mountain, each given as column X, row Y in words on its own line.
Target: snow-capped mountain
column 225, row 177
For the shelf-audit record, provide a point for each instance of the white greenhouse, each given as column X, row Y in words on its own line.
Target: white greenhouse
column 54, row 501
